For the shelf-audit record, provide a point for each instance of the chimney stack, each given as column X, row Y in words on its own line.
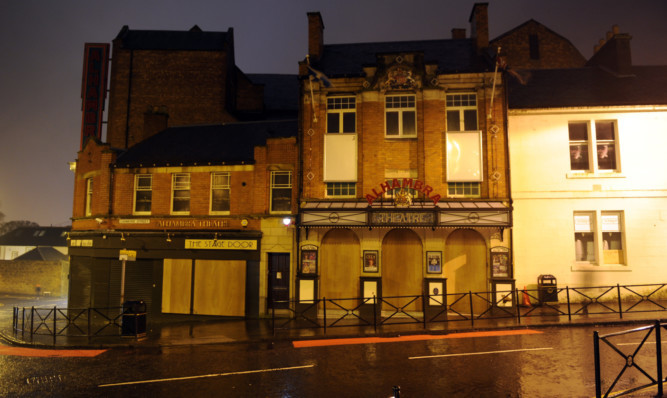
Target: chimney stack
column 315, row 35
column 614, row 53
column 458, row 33
column 479, row 25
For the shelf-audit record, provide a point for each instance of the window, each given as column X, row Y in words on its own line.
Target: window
column 342, row 189
column 534, row 46
column 609, row 242
column 584, row 236
column 602, row 137
column 143, row 193
column 220, row 192
column 400, row 116
column 281, row 191
column 464, row 189
column 89, row 196
column 612, row 237
column 180, row 187
column 341, row 115
column 461, row 112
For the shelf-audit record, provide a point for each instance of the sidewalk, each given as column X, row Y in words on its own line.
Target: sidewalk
column 165, row 332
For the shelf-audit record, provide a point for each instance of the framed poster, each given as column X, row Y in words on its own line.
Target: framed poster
column 434, row 262
column 371, row 261
column 308, row 262
column 500, row 262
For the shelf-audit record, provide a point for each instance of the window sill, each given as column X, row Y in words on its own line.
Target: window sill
column 586, row 174
column 219, row 213
column 400, row 137
column 592, row 267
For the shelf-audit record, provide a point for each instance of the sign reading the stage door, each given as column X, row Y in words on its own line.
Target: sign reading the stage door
column 220, row 244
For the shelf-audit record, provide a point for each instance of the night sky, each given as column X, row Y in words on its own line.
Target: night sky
column 41, row 60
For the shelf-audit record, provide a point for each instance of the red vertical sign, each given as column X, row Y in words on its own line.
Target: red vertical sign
column 93, row 90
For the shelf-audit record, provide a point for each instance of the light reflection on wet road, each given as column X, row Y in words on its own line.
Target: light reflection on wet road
column 555, row 363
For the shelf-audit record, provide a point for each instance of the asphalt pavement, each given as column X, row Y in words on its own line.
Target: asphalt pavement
column 176, row 332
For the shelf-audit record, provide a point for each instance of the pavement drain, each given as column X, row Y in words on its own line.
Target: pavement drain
column 44, row 379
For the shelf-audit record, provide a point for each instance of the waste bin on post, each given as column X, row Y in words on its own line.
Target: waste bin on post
column 134, row 318
column 547, row 288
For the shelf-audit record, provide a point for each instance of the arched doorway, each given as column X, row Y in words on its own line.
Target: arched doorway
column 465, row 267
column 340, row 266
column 401, row 267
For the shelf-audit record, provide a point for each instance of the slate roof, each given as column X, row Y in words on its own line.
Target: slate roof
column 451, row 56
column 194, row 39
column 42, row 254
column 231, row 143
column 589, row 86
column 36, row 236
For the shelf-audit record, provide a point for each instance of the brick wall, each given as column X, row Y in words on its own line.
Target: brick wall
column 189, row 85
column 21, row 277
column 555, row 51
column 424, row 156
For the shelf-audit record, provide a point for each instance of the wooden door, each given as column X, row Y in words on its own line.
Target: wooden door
column 340, row 266
column 401, row 268
column 465, row 267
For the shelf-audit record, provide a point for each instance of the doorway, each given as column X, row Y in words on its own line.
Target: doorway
column 279, row 278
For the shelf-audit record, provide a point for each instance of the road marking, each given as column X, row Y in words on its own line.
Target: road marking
column 38, row 352
column 419, row 337
column 482, row 353
column 243, row 372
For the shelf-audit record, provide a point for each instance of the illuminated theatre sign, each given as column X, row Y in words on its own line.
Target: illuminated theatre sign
column 399, row 186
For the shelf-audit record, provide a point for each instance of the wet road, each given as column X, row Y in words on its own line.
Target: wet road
column 551, row 362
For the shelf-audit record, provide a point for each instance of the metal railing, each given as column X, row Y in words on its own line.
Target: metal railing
column 57, row 322
column 514, row 306
column 630, row 361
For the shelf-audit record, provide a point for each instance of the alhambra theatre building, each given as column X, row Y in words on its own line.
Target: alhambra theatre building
column 404, row 168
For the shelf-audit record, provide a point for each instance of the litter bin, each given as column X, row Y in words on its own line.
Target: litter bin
column 134, row 318
column 547, row 288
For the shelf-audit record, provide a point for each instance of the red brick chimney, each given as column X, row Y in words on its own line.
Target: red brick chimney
column 614, row 54
column 479, row 25
column 315, row 35
column 458, row 33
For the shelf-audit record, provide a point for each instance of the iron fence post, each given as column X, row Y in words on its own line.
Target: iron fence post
column 273, row 318
column 569, row 310
column 55, row 323
column 518, row 307
column 424, row 308
column 596, row 349
column 324, row 312
column 620, row 308
column 23, row 323
column 32, row 320
column 375, row 321
column 472, row 316
column 658, row 353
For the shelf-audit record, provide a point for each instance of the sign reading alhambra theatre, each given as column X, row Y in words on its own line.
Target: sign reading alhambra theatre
column 403, row 198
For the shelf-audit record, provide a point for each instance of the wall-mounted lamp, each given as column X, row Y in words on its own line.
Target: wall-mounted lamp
column 168, row 237
column 215, row 237
column 122, row 237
